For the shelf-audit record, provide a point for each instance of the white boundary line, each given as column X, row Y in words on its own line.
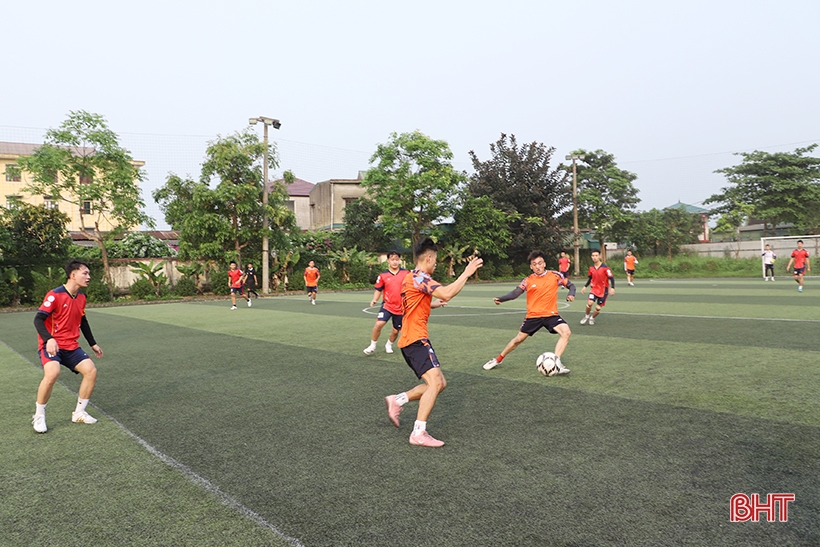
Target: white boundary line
column 185, row 470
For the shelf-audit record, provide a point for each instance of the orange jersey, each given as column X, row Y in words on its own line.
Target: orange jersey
column 542, row 293
column 311, row 276
column 629, row 262
column 416, row 296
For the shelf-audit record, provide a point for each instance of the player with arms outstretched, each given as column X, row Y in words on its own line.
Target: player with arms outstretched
column 418, row 290
column 800, row 259
column 600, row 277
column 542, row 308
column 59, row 321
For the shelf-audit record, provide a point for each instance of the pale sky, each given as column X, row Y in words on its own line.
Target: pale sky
column 671, row 89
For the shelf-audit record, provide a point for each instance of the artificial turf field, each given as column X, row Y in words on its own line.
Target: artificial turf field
column 267, row 426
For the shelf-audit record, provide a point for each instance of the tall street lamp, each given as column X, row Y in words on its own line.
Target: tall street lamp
column 265, row 243
column 574, row 157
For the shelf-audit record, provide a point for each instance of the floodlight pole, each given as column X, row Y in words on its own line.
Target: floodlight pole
column 265, row 242
column 575, row 230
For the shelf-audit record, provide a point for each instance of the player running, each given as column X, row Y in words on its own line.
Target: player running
column 563, row 264
column 388, row 287
column 542, row 308
column 235, row 281
column 599, row 276
column 59, row 321
column 629, row 267
column 800, row 258
column 418, row 290
column 312, row 276
column 768, row 263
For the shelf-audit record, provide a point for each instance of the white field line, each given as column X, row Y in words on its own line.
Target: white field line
column 188, row 472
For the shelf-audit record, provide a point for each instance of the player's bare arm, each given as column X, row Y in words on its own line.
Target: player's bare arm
column 447, row 292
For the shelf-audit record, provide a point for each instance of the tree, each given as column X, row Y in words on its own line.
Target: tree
column 481, row 226
column 782, row 187
column 362, row 226
column 731, row 221
column 658, row 231
column 519, row 180
column 82, row 161
column 225, row 221
column 34, row 233
column 606, row 196
column 413, row 184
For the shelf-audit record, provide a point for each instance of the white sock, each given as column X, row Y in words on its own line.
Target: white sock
column 402, row 399
column 40, row 409
column 372, row 344
column 389, row 344
column 81, row 404
column 419, row 428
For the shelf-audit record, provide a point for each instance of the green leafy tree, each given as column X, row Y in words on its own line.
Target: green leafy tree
column 141, row 245
column 362, row 226
column 521, row 184
column 731, row 221
column 34, row 233
column 480, row 226
column 82, row 161
column 413, row 184
column 153, row 273
column 781, row 187
column 220, row 216
column 606, row 196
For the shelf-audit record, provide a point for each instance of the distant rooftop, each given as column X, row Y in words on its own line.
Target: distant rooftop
column 688, row 208
column 299, row 187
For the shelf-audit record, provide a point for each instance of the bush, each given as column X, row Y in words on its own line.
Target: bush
column 142, row 289
column 505, row 271
column 97, row 291
column 185, row 287
column 140, row 245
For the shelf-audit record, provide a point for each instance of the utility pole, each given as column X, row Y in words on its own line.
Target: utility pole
column 265, row 242
column 577, row 244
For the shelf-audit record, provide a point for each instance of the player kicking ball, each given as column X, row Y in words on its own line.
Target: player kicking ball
column 599, row 277
column 542, row 309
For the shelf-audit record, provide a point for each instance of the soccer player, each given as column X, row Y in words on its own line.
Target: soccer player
column 418, row 290
column 629, row 267
column 312, row 276
column 251, row 281
column 235, row 281
column 563, row 264
column 388, row 288
column 800, row 258
column 542, row 308
column 59, row 321
column 768, row 263
column 600, row 276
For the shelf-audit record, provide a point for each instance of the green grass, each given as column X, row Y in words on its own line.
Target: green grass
column 684, row 393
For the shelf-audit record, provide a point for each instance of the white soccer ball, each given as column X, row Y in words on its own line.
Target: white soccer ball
column 546, row 364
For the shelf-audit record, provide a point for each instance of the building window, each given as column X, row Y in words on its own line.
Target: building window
column 86, row 208
column 13, row 173
column 290, row 205
column 50, row 203
column 348, row 201
column 12, row 202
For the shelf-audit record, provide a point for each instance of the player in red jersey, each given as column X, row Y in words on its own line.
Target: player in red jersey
column 800, row 258
column 563, row 264
column 59, row 321
column 418, row 290
column 542, row 308
column 600, row 276
column 235, row 281
column 312, row 276
column 388, row 288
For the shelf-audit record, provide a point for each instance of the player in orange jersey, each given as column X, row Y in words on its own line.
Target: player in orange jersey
column 312, row 276
column 800, row 259
column 417, row 294
column 629, row 267
column 600, row 276
column 542, row 308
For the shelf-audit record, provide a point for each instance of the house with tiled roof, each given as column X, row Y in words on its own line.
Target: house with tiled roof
column 298, row 200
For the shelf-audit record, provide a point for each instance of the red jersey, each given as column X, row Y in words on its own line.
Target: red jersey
column 563, row 264
column 390, row 285
column 311, row 276
column 65, row 313
column 800, row 256
column 600, row 279
column 542, row 293
column 416, row 296
column 235, row 276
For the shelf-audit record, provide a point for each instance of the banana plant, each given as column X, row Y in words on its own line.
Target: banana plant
column 151, row 272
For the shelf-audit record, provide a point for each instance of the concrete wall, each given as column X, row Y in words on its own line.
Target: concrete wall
column 123, row 276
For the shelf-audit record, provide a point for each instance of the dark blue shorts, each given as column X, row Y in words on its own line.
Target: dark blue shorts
column 69, row 358
column 312, row 288
column 386, row 316
column 236, row 290
column 534, row 324
column 600, row 300
column 420, row 357
column 800, row 271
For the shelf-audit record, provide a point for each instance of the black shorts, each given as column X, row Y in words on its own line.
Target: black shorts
column 312, row 288
column 534, row 324
column 69, row 358
column 420, row 357
column 385, row 315
column 236, row 290
column 630, row 272
column 800, row 271
column 600, row 300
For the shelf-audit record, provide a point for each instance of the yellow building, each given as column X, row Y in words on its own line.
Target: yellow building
column 13, row 180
